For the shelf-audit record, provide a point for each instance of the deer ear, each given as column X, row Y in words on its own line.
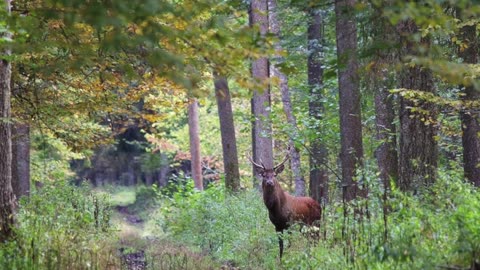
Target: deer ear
column 279, row 169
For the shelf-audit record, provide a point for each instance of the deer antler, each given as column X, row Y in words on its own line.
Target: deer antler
column 255, row 164
column 285, row 160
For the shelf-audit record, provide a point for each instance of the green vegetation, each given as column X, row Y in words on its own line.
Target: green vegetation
column 61, row 227
column 97, row 92
column 435, row 230
column 232, row 229
column 122, row 196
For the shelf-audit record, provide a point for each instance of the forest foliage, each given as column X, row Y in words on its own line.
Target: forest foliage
column 435, row 231
column 84, row 72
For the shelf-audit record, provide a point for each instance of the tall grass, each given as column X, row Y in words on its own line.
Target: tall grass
column 65, row 227
column 434, row 230
column 61, row 227
column 232, row 229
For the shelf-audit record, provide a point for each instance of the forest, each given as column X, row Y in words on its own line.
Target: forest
column 240, row 134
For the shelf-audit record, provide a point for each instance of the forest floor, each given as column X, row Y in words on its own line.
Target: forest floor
column 131, row 227
column 143, row 245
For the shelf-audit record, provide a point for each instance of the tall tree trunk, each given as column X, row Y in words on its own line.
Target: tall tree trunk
column 381, row 81
column 164, row 169
column 194, row 132
column 261, row 103
column 350, row 112
column 471, row 118
column 319, row 153
column 21, row 159
column 418, row 148
column 287, row 104
column 227, row 130
column 149, row 178
column 7, row 197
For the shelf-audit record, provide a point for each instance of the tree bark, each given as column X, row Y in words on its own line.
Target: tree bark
column 21, row 159
column 381, row 81
column 471, row 118
column 7, row 197
column 194, row 132
column 164, row 169
column 261, row 102
column 149, row 178
column 319, row 152
column 287, row 105
column 351, row 154
column 227, row 130
column 418, row 148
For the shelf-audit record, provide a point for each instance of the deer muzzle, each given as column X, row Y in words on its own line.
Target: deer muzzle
column 269, row 182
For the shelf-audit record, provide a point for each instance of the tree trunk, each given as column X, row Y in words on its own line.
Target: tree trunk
column 418, row 148
column 350, row 112
column 227, row 130
column 470, row 117
column 194, row 132
column 21, row 159
column 149, row 178
column 261, row 103
column 319, row 153
column 164, row 169
column 381, row 81
column 287, row 104
column 7, row 197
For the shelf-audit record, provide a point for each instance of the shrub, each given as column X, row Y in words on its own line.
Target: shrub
column 234, row 230
column 145, row 200
column 61, row 227
column 437, row 229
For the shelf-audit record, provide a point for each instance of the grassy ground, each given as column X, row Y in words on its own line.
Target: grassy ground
column 142, row 239
column 131, row 225
column 69, row 227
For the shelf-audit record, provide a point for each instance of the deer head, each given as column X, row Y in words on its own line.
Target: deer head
column 268, row 175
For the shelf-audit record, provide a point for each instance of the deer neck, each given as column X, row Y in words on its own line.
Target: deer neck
column 273, row 197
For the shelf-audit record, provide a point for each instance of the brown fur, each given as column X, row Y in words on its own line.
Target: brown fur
column 285, row 209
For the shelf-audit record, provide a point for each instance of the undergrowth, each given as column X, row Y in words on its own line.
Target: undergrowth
column 231, row 229
column 66, row 227
column 434, row 230
column 61, row 227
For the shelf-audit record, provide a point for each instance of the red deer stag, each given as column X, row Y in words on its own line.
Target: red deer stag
column 283, row 208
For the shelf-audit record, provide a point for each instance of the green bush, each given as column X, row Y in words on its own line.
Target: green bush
column 234, row 230
column 50, row 158
column 61, row 227
column 145, row 201
column 437, row 229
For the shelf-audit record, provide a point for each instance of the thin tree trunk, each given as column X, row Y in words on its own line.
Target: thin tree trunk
column 319, row 153
column 418, row 148
column 471, row 118
column 381, row 81
column 350, row 112
column 149, row 178
column 130, row 175
column 194, row 132
column 287, row 105
column 227, row 130
column 7, row 197
column 164, row 169
column 21, row 159
column 261, row 102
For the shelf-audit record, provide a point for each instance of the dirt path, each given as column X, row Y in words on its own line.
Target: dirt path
column 131, row 227
column 141, row 250
column 129, row 217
